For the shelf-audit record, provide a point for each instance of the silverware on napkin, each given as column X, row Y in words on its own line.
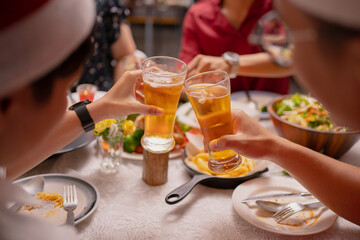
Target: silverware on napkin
column 302, row 194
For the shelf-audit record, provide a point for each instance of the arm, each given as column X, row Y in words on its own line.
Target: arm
column 251, row 65
column 123, row 47
column 334, row 183
column 261, row 65
column 118, row 102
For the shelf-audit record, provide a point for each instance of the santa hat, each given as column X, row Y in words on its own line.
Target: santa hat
column 37, row 35
column 342, row 12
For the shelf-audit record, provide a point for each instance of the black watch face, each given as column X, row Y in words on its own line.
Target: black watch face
column 84, row 102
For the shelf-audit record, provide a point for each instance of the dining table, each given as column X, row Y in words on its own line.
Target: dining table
column 130, row 209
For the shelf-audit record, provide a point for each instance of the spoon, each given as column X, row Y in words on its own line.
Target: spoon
column 33, row 186
column 275, row 207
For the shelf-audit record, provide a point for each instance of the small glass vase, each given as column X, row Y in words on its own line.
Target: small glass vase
column 110, row 150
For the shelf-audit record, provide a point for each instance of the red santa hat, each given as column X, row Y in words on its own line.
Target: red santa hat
column 342, row 12
column 37, row 35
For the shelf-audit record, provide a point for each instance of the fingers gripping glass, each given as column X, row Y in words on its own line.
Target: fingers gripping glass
column 273, row 36
column 209, row 95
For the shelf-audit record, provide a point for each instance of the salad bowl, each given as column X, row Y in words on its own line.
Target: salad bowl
column 329, row 141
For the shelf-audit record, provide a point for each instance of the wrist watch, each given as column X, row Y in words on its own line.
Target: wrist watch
column 233, row 59
column 83, row 114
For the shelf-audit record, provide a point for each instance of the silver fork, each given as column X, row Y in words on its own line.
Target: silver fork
column 70, row 203
column 295, row 207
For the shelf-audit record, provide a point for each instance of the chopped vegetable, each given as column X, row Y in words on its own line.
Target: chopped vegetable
column 184, row 127
column 130, row 143
column 264, row 109
column 133, row 141
column 138, row 135
column 139, row 149
column 306, row 112
column 285, row 172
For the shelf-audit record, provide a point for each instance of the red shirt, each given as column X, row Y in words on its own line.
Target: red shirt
column 207, row 31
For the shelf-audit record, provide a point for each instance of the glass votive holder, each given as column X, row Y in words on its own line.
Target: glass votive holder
column 109, row 152
column 86, row 91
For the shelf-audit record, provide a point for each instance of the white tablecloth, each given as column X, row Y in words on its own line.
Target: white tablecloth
column 131, row 209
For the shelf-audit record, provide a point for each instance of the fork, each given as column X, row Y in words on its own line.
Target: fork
column 295, row 207
column 70, row 203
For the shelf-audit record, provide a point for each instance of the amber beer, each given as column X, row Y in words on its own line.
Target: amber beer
column 211, row 103
column 163, row 90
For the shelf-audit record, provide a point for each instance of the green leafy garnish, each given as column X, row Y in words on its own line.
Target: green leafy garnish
column 285, row 173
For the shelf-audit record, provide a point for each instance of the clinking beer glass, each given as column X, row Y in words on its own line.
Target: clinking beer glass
column 209, row 94
column 163, row 79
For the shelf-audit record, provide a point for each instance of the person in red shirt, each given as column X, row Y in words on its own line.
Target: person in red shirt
column 213, row 27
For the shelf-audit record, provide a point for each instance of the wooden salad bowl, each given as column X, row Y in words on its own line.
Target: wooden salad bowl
column 333, row 144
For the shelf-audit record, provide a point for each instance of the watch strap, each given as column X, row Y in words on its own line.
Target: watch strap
column 83, row 114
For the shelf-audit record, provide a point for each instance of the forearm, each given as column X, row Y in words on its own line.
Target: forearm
column 124, row 46
column 334, row 183
column 261, row 65
column 65, row 132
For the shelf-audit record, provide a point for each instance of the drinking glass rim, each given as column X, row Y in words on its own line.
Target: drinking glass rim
column 204, row 73
column 172, row 58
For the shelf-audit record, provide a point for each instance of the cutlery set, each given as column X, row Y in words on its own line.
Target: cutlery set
column 284, row 211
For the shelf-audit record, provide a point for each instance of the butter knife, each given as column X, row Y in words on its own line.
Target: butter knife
column 302, row 194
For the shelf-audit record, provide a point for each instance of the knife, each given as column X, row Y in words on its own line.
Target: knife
column 302, row 194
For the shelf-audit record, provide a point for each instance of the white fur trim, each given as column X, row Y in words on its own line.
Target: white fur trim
column 342, row 12
column 37, row 44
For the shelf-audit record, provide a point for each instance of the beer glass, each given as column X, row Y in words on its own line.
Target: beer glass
column 209, row 94
column 163, row 79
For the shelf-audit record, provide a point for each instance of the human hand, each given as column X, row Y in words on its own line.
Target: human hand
column 121, row 99
column 250, row 138
column 202, row 63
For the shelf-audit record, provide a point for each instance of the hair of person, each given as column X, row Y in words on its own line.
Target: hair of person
column 42, row 88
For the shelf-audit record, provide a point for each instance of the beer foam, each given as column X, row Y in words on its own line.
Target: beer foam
column 167, row 79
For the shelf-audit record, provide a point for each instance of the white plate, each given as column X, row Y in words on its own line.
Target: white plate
column 186, row 114
column 261, row 97
column 138, row 156
column 88, row 198
column 309, row 221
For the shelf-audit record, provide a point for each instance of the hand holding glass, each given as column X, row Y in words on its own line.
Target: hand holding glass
column 209, row 94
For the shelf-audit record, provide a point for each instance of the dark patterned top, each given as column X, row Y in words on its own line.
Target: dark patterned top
column 99, row 69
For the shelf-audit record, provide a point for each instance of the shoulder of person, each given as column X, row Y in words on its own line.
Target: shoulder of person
column 204, row 9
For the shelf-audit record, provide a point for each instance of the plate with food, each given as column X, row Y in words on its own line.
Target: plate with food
column 50, row 207
column 307, row 222
column 262, row 98
column 133, row 130
column 196, row 164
